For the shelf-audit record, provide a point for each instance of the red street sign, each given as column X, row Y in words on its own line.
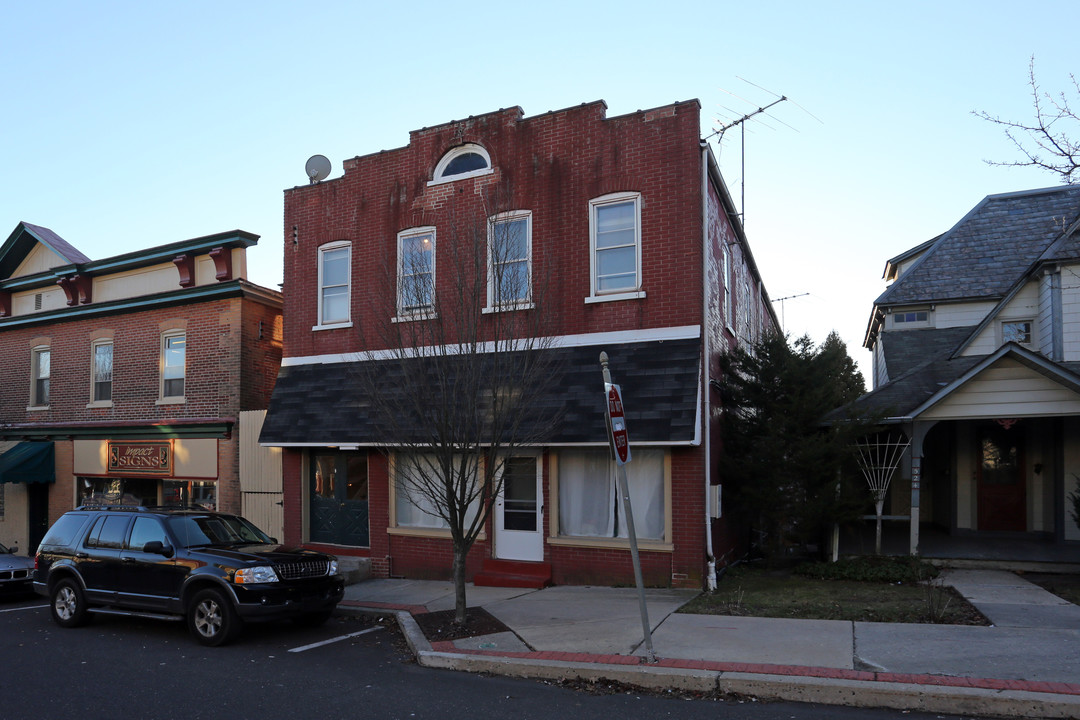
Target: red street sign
column 617, row 424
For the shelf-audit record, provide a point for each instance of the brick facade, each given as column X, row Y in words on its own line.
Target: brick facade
column 552, row 165
column 228, row 367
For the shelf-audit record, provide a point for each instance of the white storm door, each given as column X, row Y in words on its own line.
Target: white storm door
column 519, row 511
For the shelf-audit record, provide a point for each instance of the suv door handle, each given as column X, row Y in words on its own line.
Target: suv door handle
column 127, row 559
column 82, row 556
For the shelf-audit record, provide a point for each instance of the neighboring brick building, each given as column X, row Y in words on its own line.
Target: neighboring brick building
column 626, row 224
column 124, row 379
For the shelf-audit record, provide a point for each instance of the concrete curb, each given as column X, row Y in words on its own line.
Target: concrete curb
column 949, row 699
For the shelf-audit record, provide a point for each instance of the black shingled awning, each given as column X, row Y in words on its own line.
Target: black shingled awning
column 322, row 403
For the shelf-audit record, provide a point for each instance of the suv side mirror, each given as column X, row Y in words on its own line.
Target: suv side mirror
column 13, row 549
column 157, row 547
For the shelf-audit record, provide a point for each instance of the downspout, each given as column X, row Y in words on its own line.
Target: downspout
column 710, row 564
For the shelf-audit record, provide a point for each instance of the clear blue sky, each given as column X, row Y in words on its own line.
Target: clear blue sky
column 133, row 124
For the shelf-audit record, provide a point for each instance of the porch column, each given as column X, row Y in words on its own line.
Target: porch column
column 918, row 434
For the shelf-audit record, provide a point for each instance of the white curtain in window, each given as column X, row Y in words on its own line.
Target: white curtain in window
column 589, row 502
column 412, row 505
column 586, row 487
column 645, row 479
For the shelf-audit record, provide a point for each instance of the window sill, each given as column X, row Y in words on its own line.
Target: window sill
column 610, row 543
column 461, row 176
column 37, row 408
column 99, row 404
column 509, row 307
column 333, row 326
column 614, row 297
column 440, row 533
column 414, row 317
column 171, row 401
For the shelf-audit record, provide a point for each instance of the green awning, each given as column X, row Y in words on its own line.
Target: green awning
column 28, row 462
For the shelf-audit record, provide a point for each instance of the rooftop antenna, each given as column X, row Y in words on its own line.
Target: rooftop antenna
column 783, row 328
column 317, row 168
column 741, row 124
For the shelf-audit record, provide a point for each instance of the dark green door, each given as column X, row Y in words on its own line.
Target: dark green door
column 339, row 498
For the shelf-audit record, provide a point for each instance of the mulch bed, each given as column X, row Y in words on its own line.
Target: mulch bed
column 441, row 626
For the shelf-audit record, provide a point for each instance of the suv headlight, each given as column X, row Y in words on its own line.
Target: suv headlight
column 333, row 567
column 261, row 574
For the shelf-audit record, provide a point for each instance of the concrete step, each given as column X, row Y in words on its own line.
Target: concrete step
column 354, row 569
column 513, row 574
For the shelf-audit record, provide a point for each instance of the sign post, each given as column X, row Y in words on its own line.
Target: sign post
column 620, row 450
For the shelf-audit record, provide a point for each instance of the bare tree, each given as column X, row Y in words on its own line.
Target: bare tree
column 463, row 375
column 1051, row 140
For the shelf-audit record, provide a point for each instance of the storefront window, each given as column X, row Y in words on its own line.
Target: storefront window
column 146, row 491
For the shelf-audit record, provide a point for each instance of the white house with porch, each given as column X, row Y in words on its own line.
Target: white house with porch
column 976, row 346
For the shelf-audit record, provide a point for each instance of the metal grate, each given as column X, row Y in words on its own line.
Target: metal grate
column 15, row 574
column 305, row 569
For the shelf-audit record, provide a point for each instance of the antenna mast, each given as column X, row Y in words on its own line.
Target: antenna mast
column 742, row 153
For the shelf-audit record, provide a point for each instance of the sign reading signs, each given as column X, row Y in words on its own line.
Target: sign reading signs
column 148, row 457
column 617, row 424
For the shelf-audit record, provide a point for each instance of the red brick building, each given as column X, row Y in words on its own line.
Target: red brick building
column 124, row 378
column 626, row 241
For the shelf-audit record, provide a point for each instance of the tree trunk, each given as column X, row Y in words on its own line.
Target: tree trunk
column 459, row 584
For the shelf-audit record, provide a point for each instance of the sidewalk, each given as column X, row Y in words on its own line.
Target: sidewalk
column 1026, row 665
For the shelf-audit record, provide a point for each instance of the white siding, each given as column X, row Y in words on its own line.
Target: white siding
column 1007, row 389
column 260, row 477
column 25, row 303
column 39, row 260
column 1024, row 306
column 1070, row 312
column 961, row 314
column 1044, row 326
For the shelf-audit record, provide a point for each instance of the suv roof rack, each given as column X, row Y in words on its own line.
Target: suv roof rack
column 114, row 508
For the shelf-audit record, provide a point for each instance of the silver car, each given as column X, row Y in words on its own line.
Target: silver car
column 16, row 572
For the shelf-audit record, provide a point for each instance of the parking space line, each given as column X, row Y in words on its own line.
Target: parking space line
column 332, row 640
column 32, row 607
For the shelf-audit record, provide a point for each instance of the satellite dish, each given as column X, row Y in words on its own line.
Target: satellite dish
column 317, row 168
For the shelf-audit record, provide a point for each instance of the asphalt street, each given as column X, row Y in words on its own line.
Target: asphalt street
column 351, row 667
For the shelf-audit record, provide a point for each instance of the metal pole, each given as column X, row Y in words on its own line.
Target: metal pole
column 624, row 490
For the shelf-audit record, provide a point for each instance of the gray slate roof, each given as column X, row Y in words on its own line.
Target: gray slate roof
column 906, row 350
column 323, row 403
column 985, row 253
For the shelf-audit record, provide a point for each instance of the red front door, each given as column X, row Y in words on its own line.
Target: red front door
column 1002, row 487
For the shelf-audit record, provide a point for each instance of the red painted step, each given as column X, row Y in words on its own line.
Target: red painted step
column 513, row 573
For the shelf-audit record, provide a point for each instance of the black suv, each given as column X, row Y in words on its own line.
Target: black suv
column 215, row 570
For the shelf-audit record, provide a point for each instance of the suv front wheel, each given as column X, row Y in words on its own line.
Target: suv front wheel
column 68, row 604
column 211, row 618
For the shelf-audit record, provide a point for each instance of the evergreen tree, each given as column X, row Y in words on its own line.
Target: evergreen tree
column 783, row 462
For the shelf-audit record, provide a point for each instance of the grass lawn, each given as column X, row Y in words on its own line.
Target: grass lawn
column 1066, row 587
column 786, row 594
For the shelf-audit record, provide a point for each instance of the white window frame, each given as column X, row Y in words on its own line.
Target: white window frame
column 438, row 177
column 426, row 521
column 1030, row 322
column 912, row 323
column 323, row 250
column 494, row 304
column 417, row 311
column 164, row 399
column 556, row 536
column 101, row 342
column 35, row 396
column 635, row 292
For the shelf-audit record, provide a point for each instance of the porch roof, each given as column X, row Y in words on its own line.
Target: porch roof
column 928, row 385
column 321, row 404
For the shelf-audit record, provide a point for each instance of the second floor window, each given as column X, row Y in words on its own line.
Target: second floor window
column 616, row 243
column 509, row 249
column 103, row 369
column 1017, row 331
column 416, row 271
column 173, row 362
column 41, row 358
column 334, row 284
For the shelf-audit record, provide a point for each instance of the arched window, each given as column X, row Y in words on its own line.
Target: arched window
column 463, row 161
